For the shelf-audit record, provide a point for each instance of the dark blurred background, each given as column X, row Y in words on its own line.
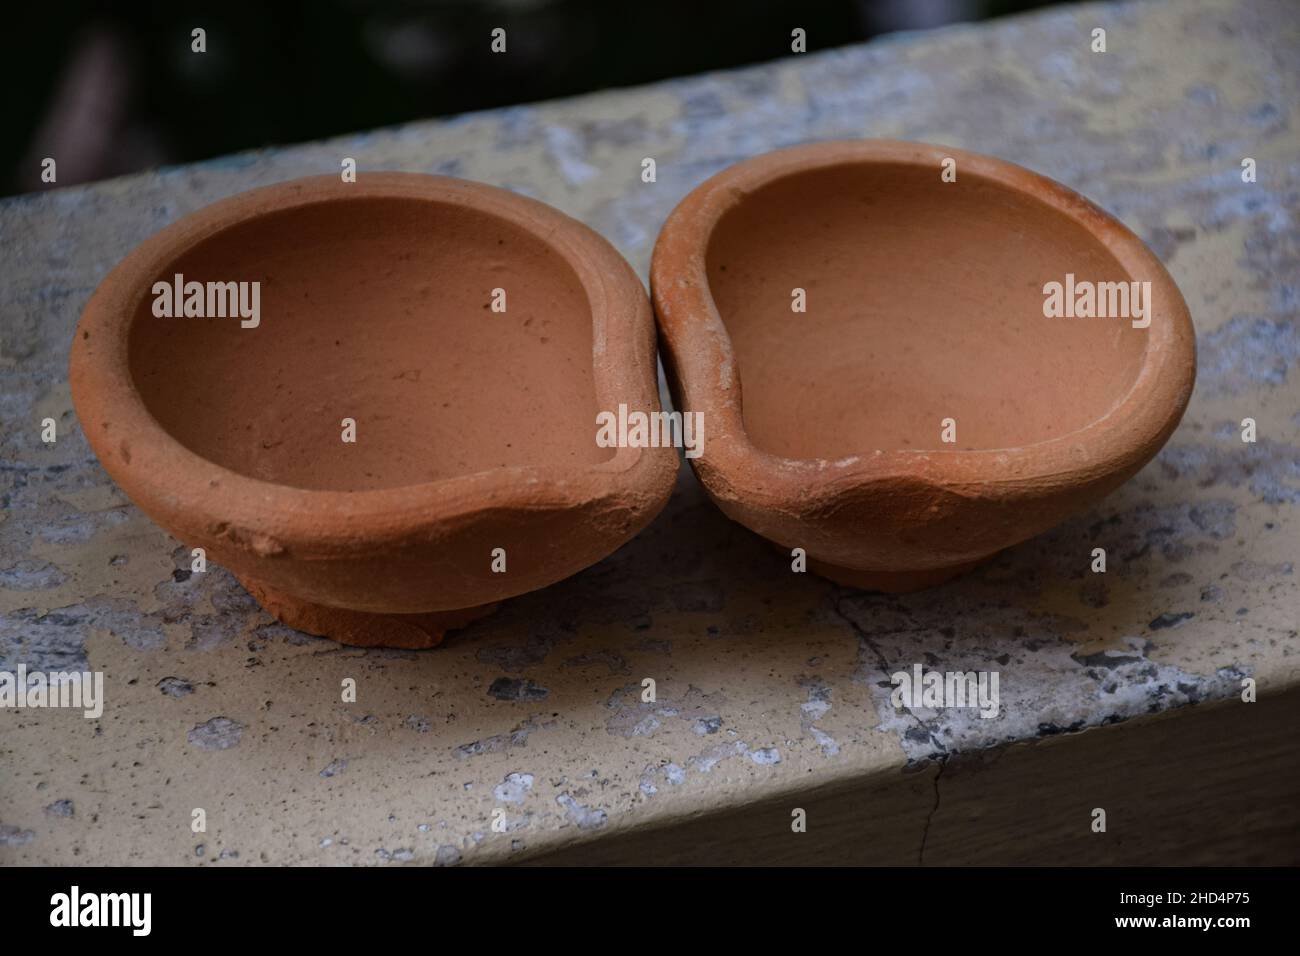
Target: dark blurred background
column 108, row 88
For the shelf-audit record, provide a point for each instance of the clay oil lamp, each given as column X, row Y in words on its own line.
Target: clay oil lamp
column 910, row 357
column 375, row 402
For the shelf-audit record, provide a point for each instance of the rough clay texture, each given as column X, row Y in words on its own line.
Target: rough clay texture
column 907, row 277
column 925, row 301
column 341, row 531
column 401, row 290
column 767, row 683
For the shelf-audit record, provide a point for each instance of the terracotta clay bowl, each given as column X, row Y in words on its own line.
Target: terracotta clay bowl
column 475, row 430
column 925, row 308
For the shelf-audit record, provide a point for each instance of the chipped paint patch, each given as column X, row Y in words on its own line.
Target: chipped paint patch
column 219, row 733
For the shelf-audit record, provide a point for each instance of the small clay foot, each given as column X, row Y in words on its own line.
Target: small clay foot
column 892, row 582
column 363, row 628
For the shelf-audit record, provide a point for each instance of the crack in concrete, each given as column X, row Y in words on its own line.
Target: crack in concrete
column 942, row 758
column 882, row 663
column 925, row 832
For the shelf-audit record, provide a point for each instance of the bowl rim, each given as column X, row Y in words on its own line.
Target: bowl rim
column 706, row 374
column 198, row 493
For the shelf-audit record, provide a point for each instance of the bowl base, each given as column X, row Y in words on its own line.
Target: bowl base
column 892, row 582
column 364, row 628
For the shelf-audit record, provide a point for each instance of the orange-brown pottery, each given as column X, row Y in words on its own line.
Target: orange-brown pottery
column 397, row 428
column 895, row 359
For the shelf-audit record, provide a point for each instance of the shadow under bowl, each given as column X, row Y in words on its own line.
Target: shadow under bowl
column 382, row 418
column 874, row 350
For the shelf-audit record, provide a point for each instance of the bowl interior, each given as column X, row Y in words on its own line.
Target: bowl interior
column 924, row 301
column 377, row 310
